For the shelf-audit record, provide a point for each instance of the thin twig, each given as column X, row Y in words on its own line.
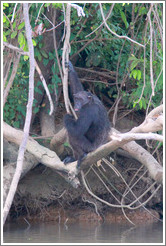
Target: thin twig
column 106, row 185
column 96, row 209
column 39, row 13
column 54, row 27
column 98, row 198
column 12, row 76
column 154, row 88
column 45, row 87
column 55, row 46
column 151, row 49
column 14, row 12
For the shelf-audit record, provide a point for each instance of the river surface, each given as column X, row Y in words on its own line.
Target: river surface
column 82, row 233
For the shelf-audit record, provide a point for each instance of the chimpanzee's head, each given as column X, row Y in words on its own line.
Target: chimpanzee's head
column 82, row 98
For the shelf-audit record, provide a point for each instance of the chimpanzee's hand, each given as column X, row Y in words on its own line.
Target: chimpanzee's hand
column 69, row 66
column 68, row 118
column 80, row 160
column 68, row 160
column 66, row 64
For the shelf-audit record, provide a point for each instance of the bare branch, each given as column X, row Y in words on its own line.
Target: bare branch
column 14, row 12
column 152, row 123
column 79, row 9
column 151, row 49
column 12, row 76
column 22, row 148
column 55, row 47
column 46, row 88
column 154, row 88
column 10, row 46
column 137, row 136
column 65, row 58
column 39, row 13
column 43, row 155
column 54, row 27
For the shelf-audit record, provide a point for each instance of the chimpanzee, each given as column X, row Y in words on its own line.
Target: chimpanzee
column 92, row 127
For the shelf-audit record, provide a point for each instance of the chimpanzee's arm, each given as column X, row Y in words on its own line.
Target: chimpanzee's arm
column 79, row 127
column 75, row 83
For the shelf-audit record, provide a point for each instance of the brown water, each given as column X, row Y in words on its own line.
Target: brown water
column 82, row 233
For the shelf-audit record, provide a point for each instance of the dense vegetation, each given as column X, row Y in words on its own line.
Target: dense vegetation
column 101, row 51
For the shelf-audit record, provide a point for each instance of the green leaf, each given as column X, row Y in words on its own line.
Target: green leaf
column 144, row 104
column 4, row 18
column 39, row 56
column 6, row 4
column 38, row 91
column 44, row 53
column 47, row 4
column 66, row 144
column 7, row 32
column 57, row 5
column 134, row 105
column 140, row 104
column 134, row 64
column 4, row 38
column 143, row 11
column 21, row 39
column 134, row 73
column 26, row 58
column 34, row 42
column 45, row 62
column 51, row 56
column 14, row 25
column 124, row 19
column 21, row 25
column 132, row 58
column 16, row 124
column 139, row 74
column 13, row 35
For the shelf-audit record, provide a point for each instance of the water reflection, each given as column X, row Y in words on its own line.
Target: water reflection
column 82, row 233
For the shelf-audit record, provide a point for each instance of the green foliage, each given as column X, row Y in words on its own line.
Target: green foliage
column 21, row 25
column 15, row 107
column 136, row 74
column 106, row 51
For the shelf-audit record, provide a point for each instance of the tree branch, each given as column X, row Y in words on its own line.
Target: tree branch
column 137, row 136
column 152, row 123
column 45, row 87
column 22, row 148
column 65, row 58
column 50, row 159
column 12, row 76
column 151, row 49
column 44, row 155
column 79, row 9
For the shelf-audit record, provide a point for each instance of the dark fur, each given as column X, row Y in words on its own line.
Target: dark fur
column 92, row 128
